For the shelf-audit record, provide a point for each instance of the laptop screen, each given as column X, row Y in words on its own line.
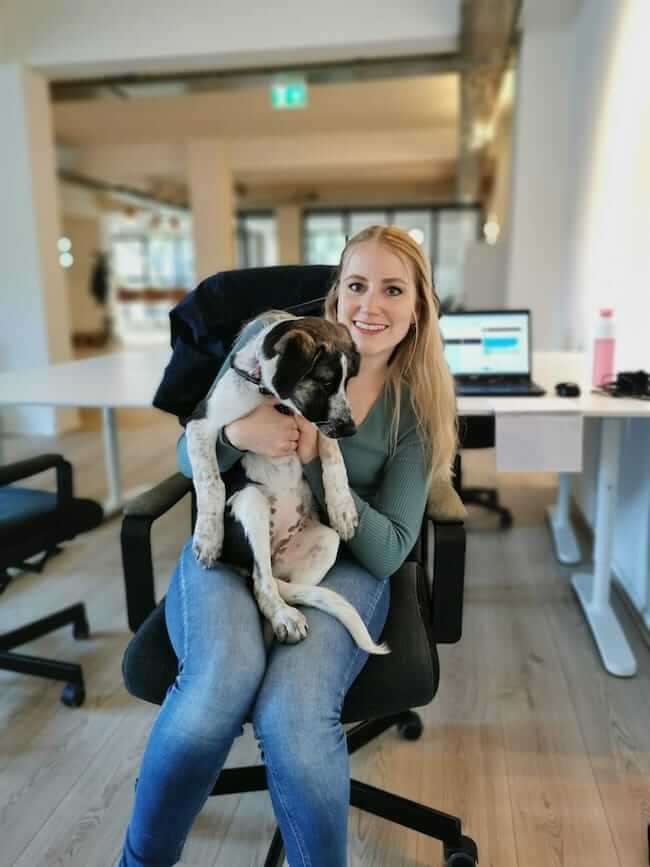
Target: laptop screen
column 487, row 342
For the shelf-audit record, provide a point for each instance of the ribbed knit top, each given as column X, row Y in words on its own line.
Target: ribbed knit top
column 389, row 490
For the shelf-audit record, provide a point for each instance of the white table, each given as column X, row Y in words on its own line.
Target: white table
column 593, row 590
column 108, row 382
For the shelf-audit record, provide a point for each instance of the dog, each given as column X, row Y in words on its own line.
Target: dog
column 305, row 362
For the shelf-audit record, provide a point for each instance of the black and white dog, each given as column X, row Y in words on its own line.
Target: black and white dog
column 305, row 362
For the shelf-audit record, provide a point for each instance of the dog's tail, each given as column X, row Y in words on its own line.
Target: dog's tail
column 334, row 604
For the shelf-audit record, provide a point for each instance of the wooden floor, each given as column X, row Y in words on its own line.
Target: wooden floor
column 545, row 758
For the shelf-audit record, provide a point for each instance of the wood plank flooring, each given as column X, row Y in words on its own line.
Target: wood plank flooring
column 544, row 756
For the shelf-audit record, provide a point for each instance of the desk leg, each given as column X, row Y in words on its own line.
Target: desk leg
column 112, row 457
column 566, row 545
column 594, row 590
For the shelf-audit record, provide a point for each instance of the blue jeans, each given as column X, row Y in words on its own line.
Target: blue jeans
column 293, row 696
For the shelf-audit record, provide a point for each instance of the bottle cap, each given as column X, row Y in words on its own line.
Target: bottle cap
column 607, row 312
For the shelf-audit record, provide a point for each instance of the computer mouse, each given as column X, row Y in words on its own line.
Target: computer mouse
column 567, row 389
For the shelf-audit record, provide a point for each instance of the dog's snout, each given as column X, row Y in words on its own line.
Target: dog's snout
column 346, row 428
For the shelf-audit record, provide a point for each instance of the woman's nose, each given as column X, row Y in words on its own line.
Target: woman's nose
column 370, row 301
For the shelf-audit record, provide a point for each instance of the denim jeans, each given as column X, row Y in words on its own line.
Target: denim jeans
column 293, row 695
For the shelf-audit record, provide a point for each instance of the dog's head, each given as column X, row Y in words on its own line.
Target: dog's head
column 307, row 362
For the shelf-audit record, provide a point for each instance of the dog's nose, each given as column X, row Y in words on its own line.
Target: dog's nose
column 345, row 429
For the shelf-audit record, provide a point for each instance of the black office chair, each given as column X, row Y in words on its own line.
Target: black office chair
column 34, row 523
column 426, row 592
column 478, row 432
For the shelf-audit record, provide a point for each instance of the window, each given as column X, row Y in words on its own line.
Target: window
column 151, row 251
column 257, row 243
column 443, row 232
column 323, row 238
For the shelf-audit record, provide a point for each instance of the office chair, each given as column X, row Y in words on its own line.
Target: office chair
column 477, row 432
column 426, row 592
column 35, row 523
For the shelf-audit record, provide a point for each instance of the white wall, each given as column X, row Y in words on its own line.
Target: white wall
column 609, row 219
column 66, row 38
column 580, row 207
column 484, row 276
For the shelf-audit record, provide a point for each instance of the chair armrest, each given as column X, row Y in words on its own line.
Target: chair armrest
column 137, row 562
column 156, row 501
column 445, row 568
column 20, row 470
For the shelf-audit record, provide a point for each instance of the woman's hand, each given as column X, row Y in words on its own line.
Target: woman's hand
column 265, row 431
column 308, row 440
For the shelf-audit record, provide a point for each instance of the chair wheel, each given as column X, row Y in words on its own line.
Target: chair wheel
column 81, row 629
column 465, row 855
column 410, row 726
column 73, row 695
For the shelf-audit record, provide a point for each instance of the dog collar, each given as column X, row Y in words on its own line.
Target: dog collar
column 249, row 377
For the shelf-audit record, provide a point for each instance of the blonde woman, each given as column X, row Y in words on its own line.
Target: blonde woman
column 402, row 401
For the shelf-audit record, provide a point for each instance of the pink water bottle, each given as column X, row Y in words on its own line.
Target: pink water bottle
column 604, row 343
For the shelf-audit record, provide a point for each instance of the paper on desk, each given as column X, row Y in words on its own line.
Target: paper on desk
column 539, row 442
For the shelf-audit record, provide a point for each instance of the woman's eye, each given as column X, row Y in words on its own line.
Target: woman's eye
column 397, row 291
column 354, row 286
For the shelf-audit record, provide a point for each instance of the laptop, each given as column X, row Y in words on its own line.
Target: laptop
column 489, row 352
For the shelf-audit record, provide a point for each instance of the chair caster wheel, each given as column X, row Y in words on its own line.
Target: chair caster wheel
column 410, row 726
column 73, row 695
column 81, row 630
column 465, row 855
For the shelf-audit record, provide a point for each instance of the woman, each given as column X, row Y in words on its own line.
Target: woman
column 402, row 401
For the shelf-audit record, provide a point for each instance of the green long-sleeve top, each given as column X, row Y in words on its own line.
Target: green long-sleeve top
column 389, row 490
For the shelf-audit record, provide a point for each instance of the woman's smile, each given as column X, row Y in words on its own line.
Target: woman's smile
column 367, row 327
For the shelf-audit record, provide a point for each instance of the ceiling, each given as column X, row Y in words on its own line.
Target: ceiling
column 404, row 103
column 406, row 120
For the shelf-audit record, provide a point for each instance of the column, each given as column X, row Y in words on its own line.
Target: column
column 539, row 198
column 211, row 196
column 33, row 303
column 289, row 228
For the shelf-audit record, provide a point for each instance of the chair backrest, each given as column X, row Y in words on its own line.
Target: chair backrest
column 205, row 324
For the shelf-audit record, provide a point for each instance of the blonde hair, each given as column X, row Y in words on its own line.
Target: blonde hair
column 418, row 360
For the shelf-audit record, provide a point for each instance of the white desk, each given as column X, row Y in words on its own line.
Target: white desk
column 108, row 382
column 593, row 590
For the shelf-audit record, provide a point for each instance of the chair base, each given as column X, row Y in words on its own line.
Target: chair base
column 459, row 851
column 74, row 692
column 488, row 498
column 27, row 566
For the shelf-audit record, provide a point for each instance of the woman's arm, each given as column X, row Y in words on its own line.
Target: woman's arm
column 389, row 525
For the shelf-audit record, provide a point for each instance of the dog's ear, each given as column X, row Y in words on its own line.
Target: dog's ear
column 298, row 354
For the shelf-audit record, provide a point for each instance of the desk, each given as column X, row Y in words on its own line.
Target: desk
column 593, row 590
column 108, row 382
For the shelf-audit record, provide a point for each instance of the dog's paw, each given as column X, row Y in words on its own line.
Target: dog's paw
column 289, row 625
column 343, row 516
column 208, row 541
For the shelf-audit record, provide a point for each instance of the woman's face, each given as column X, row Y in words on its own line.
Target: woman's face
column 377, row 289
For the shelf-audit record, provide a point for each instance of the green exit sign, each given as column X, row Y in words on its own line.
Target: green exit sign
column 289, row 94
